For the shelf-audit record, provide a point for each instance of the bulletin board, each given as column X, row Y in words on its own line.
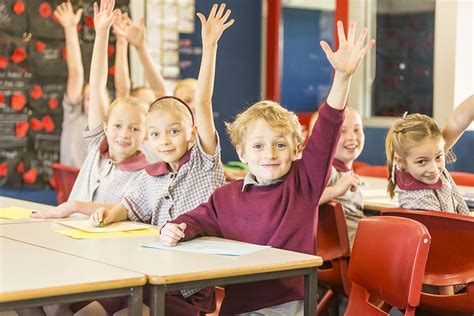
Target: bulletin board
column 33, row 76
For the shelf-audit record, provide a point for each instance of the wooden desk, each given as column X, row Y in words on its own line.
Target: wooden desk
column 34, row 276
column 173, row 270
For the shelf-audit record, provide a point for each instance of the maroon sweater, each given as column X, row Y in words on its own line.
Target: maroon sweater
column 281, row 215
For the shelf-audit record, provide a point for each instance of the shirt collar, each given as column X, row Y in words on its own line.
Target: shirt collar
column 250, row 179
column 161, row 168
column 133, row 163
column 406, row 181
column 340, row 166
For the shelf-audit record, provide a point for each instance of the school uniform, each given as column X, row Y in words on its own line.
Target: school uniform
column 73, row 149
column 442, row 196
column 282, row 215
column 101, row 179
column 159, row 195
column 351, row 201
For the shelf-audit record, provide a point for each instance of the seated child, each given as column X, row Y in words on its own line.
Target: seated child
column 283, row 190
column 113, row 139
column 190, row 168
column 416, row 157
column 343, row 185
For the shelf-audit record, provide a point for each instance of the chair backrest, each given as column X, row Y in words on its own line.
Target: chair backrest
column 359, row 164
column 373, row 171
column 64, row 177
column 463, row 178
column 332, row 244
column 451, row 259
column 387, row 264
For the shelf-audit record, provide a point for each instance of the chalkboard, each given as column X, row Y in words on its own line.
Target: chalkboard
column 237, row 83
column 33, row 76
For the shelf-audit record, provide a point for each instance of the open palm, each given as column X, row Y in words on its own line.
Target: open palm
column 215, row 25
column 65, row 15
column 104, row 17
column 349, row 55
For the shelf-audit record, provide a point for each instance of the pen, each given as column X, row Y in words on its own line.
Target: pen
column 101, row 224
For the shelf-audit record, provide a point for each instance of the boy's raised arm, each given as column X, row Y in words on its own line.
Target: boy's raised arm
column 122, row 74
column 75, row 77
column 212, row 29
column 345, row 61
column 459, row 121
column 103, row 19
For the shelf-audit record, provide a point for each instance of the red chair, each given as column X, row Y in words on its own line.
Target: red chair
column 450, row 262
column 332, row 244
column 463, row 178
column 64, row 177
column 359, row 164
column 387, row 265
column 372, row 171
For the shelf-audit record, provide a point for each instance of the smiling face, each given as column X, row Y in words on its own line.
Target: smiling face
column 352, row 138
column 125, row 131
column 269, row 152
column 170, row 136
column 425, row 161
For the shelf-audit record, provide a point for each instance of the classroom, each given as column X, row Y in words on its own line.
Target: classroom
column 236, row 157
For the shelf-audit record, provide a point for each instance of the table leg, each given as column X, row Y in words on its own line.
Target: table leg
column 310, row 293
column 135, row 301
column 157, row 300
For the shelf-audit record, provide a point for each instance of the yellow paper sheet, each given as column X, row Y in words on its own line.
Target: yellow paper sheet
column 84, row 225
column 15, row 213
column 79, row 234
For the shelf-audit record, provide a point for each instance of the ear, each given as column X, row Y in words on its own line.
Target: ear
column 241, row 153
column 400, row 162
column 192, row 139
column 104, row 126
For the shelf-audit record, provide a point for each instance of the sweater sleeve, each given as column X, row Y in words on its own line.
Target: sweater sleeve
column 314, row 168
column 202, row 221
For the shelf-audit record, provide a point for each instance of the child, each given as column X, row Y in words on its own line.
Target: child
column 416, row 153
column 113, row 139
column 73, row 149
column 459, row 121
column 185, row 90
column 343, row 183
column 283, row 191
column 190, row 169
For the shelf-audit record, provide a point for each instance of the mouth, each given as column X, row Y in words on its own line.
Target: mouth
column 167, row 152
column 351, row 147
column 270, row 165
column 123, row 143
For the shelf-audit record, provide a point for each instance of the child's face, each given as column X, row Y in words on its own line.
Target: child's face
column 169, row 136
column 352, row 139
column 425, row 161
column 269, row 152
column 186, row 93
column 125, row 131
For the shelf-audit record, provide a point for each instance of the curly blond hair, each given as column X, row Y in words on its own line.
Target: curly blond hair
column 136, row 103
column 274, row 114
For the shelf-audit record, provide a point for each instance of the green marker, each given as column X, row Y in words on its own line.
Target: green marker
column 101, row 224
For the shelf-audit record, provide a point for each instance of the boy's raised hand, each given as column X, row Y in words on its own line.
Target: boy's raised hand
column 349, row 55
column 66, row 16
column 134, row 33
column 172, row 233
column 105, row 15
column 215, row 25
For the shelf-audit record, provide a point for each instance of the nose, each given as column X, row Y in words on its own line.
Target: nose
column 270, row 153
column 124, row 132
column 350, row 134
column 164, row 139
column 432, row 167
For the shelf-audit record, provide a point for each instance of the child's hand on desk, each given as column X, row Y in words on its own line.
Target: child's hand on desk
column 60, row 211
column 101, row 217
column 349, row 181
column 172, row 233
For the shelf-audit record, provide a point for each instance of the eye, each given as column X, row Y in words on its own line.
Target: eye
column 420, row 162
column 116, row 125
column 281, row 146
column 439, row 157
column 358, row 130
column 257, row 146
column 174, row 131
column 154, row 134
column 135, row 129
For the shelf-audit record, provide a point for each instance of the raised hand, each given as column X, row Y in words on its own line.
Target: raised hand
column 215, row 25
column 134, row 33
column 117, row 27
column 349, row 55
column 105, row 15
column 66, row 16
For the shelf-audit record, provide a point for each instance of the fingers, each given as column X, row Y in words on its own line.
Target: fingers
column 79, row 14
column 361, row 37
column 367, row 47
column 340, row 32
column 351, row 34
column 212, row 14
column 221, row 11
column 327, row 50
column 172, row 232
column 97, row 217
column 201, row 18
column 96, row 9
